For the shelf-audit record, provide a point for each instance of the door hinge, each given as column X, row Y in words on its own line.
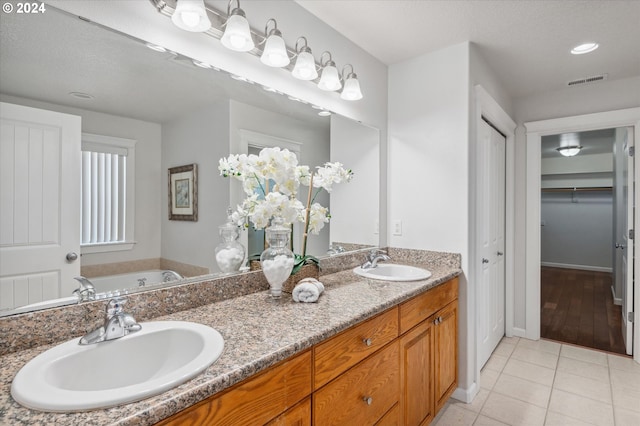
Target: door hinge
column 632, row 234
column 632, row 151
column 630, row 317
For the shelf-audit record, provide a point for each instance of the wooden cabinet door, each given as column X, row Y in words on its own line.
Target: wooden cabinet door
column 416, row 374
column 446, row 352
column 300, row 415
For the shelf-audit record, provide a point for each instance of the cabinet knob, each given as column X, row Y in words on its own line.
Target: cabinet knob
column 500, row 253
column 485, row 260
column 367, row 342
column 437, row 321
column 368, row 400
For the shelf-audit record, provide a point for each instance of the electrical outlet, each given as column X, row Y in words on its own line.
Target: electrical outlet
column 397, row 227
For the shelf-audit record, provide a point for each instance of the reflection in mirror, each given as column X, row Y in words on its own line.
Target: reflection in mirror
column 167, row 111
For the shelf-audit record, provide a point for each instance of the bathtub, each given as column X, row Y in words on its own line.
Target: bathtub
column 107, row 287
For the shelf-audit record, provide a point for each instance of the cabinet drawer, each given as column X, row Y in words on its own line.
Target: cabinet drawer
column 348, row 348
column 254, row 401
column 423, row 306
column 362, row 395
column 392, row 418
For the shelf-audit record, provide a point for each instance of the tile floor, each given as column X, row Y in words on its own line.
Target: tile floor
column 541, row 382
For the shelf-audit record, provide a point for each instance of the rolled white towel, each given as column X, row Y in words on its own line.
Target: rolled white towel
column 308, row 290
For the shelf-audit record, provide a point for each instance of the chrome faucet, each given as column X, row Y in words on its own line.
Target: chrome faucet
column 116, row 324
column 142, row 282
column 86, row 292
column 374, row 256
column 170, row 276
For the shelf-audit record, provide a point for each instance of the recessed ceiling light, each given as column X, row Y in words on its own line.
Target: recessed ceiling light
column 316, row 107
column 584, row 48
column 81, row 95
column 156, row 47
column 324, row 113
column 202, row 64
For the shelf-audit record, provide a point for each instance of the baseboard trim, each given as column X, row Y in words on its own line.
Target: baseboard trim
column 616, row 300
column 518, row 332
column 580, row 267
column 466, row 395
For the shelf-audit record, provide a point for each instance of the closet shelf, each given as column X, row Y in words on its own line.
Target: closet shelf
column 579, row 189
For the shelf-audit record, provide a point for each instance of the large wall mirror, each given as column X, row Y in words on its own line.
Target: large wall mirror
column 177, row 113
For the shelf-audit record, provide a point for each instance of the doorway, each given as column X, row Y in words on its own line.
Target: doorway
column 581, row 172
column 535, row 132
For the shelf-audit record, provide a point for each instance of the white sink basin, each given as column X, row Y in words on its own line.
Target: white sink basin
column 73, row 377
column 393, row 272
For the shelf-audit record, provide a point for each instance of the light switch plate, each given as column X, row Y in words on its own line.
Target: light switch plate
column 397, row 227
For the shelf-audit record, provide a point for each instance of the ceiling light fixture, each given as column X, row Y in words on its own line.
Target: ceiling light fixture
column 351, row 91
column 191, row 15
column 570, row 150
column 237, row 34
column 583, row 48
column 329, row 79
column 202, row 64
column 275, row 51
column 324, row 113
column 305, row 67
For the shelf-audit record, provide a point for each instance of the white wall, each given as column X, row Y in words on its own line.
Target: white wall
column 357, row 147
column 598, row 97
column 428, row 164
column 314, row 151
column 199, row 137
column 578, row 230
column 148, row 171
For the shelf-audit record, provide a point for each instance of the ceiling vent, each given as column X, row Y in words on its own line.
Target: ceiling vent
column 586, row 80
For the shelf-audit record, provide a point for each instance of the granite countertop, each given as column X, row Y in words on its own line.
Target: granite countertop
column 258, row 332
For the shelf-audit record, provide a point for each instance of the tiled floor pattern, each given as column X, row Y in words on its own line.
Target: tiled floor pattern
column 541, row 382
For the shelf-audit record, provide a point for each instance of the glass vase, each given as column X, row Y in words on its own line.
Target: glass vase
column 230, row 253
column 277, row 260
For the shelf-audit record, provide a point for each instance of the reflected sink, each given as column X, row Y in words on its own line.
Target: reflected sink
column 393, row 272
column 73, row 377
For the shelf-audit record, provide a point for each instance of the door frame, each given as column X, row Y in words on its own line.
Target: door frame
column 487, row 107
column 535, row 130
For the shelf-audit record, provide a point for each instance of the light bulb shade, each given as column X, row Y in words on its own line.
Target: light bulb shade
column 275, row 52
column 237, row 35
column 351, row 91
column 190, row 15
column 329, row 80
column 569, row 151
column 305, row 68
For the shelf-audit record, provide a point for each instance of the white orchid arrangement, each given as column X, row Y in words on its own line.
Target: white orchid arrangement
column 271, row 181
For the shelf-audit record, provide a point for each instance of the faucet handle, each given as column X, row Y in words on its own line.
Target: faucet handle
column 374, row 252
column 114, row 306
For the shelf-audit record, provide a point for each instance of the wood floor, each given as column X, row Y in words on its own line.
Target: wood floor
column 577, row 307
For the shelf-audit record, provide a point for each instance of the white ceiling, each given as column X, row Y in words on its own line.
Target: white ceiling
column 525, row 42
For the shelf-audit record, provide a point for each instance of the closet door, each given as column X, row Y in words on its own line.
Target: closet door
column 491, row 200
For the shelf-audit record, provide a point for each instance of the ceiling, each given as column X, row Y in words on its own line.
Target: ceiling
column 50, row 55
column 592, row 142
column 525, row 42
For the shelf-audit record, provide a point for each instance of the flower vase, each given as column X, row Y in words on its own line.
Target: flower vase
column 310, row 270
column 277, row 260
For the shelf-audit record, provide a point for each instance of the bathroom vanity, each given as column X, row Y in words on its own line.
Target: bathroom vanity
column 369, row 352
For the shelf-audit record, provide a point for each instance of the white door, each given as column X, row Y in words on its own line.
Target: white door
column 39, row 204
column 626, row 248
column 491, row 203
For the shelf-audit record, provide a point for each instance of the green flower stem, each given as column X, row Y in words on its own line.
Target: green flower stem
column 306, row 219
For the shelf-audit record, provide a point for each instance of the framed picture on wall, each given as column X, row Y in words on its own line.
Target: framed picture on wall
column 183, row 193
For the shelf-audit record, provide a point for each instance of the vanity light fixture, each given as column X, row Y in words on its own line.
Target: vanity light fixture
column 305, row 67
column 237, row 34
column 583, row 48
column 570, row 150
column 190, row 15
column 275, row 51
column 329, row 79
column 351, row 91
